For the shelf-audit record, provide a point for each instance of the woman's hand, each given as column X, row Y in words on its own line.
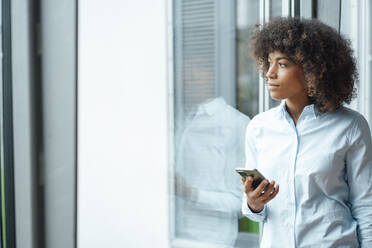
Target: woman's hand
column 255, row 198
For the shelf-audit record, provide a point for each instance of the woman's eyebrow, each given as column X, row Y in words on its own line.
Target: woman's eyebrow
column 279, row 58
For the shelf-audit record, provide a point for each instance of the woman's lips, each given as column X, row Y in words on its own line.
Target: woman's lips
column 272, row 86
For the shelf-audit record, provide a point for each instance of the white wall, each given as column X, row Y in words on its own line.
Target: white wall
column 122, row 117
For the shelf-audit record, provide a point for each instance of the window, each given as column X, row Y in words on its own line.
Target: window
column 217, row 90
column 209, row 131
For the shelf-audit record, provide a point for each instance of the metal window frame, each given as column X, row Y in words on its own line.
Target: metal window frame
column 59, row 38
column 7, row 161
column 170, row 116
column 40, row 82
column 26, row 117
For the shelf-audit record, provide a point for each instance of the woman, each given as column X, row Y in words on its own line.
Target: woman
column 317, row 150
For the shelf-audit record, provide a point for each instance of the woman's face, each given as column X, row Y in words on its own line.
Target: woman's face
column 285, row 79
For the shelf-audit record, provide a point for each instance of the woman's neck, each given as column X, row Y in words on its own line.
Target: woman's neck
column 295, row 108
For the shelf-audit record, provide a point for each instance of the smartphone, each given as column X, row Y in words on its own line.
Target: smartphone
column 257, row 176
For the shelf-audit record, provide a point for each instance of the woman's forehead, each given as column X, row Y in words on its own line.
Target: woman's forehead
column 276, row 55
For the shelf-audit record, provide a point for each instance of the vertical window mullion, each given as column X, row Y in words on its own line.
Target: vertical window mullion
column 7, row 172
column 261, row 94
column 369, row 60
column 364, row 60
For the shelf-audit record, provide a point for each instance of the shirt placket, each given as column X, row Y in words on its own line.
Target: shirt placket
column 291, row 180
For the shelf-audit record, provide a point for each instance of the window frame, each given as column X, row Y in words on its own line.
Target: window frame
column 7, row 153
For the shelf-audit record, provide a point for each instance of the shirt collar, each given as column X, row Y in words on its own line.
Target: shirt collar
column 309, row 110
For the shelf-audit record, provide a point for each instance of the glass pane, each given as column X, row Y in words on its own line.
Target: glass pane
column 248, row 77
column 209, row 129
column 248, row 92
column 275, row 8
column 275, row 11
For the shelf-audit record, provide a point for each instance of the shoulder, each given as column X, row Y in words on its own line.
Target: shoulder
column 342, row 116
column 345, row 112
column 349, row 117
column 354, row 121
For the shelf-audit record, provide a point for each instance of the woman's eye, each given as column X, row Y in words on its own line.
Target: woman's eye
column 282, row 65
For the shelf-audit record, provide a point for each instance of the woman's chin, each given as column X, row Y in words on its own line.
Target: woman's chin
column 276, row 96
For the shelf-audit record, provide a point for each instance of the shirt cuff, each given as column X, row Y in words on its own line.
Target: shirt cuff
column 257, row 217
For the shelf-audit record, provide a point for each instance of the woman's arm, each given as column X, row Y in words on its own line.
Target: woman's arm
column 359, row 177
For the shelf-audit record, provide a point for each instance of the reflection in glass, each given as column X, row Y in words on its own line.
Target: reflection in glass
column 209, row 145
column 195, row 54
column 209, row 132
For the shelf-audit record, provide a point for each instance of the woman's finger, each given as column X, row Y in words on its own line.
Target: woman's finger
column 248, row 185
column 258, row 191
column 268, row 190
column 272, row 196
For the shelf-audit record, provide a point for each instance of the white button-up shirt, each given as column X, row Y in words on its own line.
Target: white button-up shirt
column 323, row 166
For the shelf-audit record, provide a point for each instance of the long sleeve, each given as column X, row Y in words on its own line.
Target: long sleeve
column 251, row 163
column 359, row 177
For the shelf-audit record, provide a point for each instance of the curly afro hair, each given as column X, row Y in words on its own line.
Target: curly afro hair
column 325, row 57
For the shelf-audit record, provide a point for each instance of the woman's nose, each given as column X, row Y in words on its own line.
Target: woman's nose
column 271, row 73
